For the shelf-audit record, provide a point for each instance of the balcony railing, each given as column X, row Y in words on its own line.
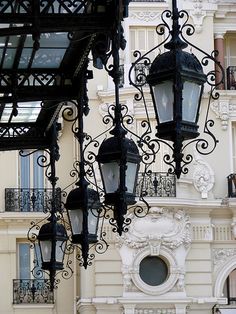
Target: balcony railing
column 231, row 77
column 32, row 291
column 156, row 184
column 29, row 200
column 231, row 185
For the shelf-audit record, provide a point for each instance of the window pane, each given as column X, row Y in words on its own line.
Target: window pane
column 38, row 171
column 153, row 270
column 24, row 261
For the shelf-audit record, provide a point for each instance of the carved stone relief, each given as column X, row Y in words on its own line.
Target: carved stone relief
column 198, row 14
column 164, row 233
column 145, row 16
column 203, row 176
column 224, row 110
column 221, row 256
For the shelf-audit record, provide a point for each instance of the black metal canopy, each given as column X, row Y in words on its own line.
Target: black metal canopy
column 44, row 44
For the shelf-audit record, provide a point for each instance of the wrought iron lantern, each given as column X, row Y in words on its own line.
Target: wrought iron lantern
column 176, row 79
column 52, row 240
column 83, row 213
column 119, row 165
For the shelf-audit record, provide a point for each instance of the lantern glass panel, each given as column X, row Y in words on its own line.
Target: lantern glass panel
column 46, row 250
column 191, row 95
column 60, row 248
column 111, row 176
column 131, row 174
column 92, row 222
column 76, row 220
column 164, row 99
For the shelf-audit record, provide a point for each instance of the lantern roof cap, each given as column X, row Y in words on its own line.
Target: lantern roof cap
column 52, row 229
column 76, row 196
column 168, row 63
column 114, row 146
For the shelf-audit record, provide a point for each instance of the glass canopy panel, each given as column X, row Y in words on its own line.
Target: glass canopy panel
column 50, row 54
column 48, row 58
column 25, row 58
column 27, row 112
column 8, row 47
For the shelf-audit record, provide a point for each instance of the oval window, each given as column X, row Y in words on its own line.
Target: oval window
column 153, row 270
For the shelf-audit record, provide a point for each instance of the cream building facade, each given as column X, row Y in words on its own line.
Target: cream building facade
column 181, row 257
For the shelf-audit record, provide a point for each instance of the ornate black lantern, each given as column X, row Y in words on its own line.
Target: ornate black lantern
column 119, row 165
column 176, row 79
column 52, row 240
column 83, row 212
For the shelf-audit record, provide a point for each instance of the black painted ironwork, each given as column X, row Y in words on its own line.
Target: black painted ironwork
column 86, row 193
column 43, row 48
column 32, row 291
column 122, row 76
column 117, row 120
column 156, row 184
column 231, row 77
column 29, row 200
column 53, row 230
column 175, row 40
column 231, row 185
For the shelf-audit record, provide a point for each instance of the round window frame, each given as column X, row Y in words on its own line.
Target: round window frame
column 173, row 272
column 165, row 261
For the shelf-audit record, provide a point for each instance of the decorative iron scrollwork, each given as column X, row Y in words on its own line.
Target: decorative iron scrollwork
column 138, row 78
column 33, row 291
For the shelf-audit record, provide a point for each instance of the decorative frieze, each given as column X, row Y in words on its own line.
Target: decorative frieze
column 144, row 16
column 225, row 109
column 169, row 228
column 221, row 256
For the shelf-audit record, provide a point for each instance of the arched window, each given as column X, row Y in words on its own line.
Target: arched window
column 229, row 290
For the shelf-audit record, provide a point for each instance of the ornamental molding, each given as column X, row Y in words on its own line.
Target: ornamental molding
column 162, row 232
column 199, row 10
column 222, row 256
column 174, row 282
column 159, row 228
column 203, row 176
column 145, row 16
column 224, row 109
column 198, row 14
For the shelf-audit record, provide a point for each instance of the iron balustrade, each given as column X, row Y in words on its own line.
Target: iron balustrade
column 32, row 291
column 231, row 77
column 156, row 184
column 29, row 199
